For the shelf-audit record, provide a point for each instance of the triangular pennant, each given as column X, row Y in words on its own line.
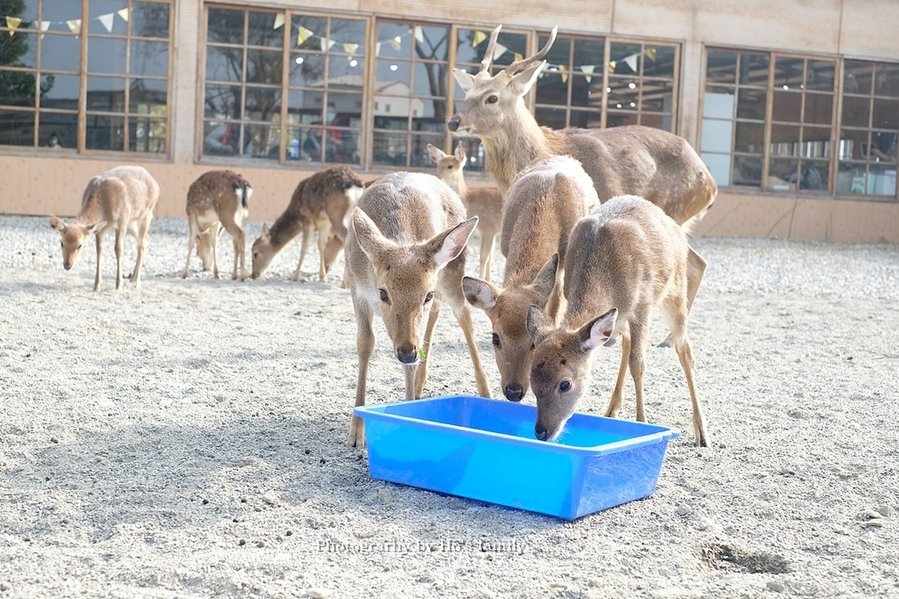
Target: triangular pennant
column 518, row 57
column 43, row 25
column 612, row 65
column 563, row 70
column 498, row 51
column 419, row 34
column 303, row 34
column 350, row 48
column 279, row 21
column 397, row 43
column 651, row 54
column 478, row 38
column 74, row 26
column 13, row 23
column 588, row 69
column 123, row 13
column 106, row 21
column 378, row 49
column 326, row 44
column 631, row 62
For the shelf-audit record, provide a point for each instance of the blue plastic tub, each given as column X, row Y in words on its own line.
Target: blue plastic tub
column 485, row 449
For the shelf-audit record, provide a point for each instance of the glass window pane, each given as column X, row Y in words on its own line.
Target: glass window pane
column 349, row 36
column 883, row 146
column 820, row 75
column 881, row 180
column 784, row 140
column 25, row 10
column 814, row 175
column 149, row 58
column 624, row 93
column 347, row 109
column 305, row 106
column 427, row 114
column 857, row 77
column 787, row 106
column 818, row 109
column 147, row 135
column 261, row 29
column 220, row 138
column 106, row 94
column 148, row 96
column 751, row 104
column 16, row 128
column 625, row 59
column 295, row 139
column 394, row 40
column 19, row 49
column 716, row 135
column 389, row 148
column 61, row 53
column 102, row 17
column 431, row 43
column 657, row 96
column 430, row 79
column 222, row 101
column 106, row 55
column 721, row 66
column 560, row 51
column 60, row 91
column 658, row 61
column 856, row 111
column 307, row 70
column 264, row 66
column 17, row 88
column 748, row 171
column 754, row 69
column 224, row 64
column 262, row 141
column 589, row 53
column 105, row 132
column 719, row 166
column 719, row 102
column 783, row 174
column 551, row 89
column 816, row 142
column 886, row 114
column 853, row 144
column 788, row 73
column 346, row 71
column 851, row 179
column 307, row 32
column 554, row 118
column 150, row 19
column 750, row 137
column 63, row 124
column 887, row 80
column 262, row 103
column 225, row 26
column 586, row 93
column 393, row 77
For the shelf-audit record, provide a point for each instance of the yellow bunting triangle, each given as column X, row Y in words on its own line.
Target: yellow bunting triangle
column 563, row 70
column 397, row 43
column 478, row 38
column 350, row 48
column 303, row 34
column 279, row 21
column 612, row 65
column 518, row 57
column 13, row 23
column 123, row 13
column 651, row 54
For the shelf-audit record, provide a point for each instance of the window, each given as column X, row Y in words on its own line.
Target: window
column 123, row 86
column 867, row 144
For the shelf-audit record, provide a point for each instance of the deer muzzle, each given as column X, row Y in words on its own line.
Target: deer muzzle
column 453, row 123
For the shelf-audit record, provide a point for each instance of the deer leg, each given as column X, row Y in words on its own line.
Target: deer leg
column 421, row 376
column 142, row 237
column 456, row 300
column 696, row 265
column 615, row 402
column 410, row 375
column 119, row 250
column 685, row 353
column 214, row 232
column 99, row 241
column 192, row 233
column 239, row 240
column 304, row 245
column 486, row 255
column 324, row 232
column 637, row 360
column 365, row 343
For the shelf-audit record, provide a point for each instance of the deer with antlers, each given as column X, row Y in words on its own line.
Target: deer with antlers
column 655, row 164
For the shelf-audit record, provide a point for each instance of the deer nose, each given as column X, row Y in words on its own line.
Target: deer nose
column 407, row 355
column 453, row 123
column 513, row 392
column 67, row 265
column 541, row 432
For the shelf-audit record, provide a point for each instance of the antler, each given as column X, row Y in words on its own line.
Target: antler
column 491, row 47
column 515, row 67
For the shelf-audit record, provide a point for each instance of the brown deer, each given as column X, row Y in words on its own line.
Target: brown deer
column 322, row 202
column 405, row 256
column 542, row 206
column 657, row 165
column 624, row 260
column 484, row 202
column 123, row 199
column 217, row 200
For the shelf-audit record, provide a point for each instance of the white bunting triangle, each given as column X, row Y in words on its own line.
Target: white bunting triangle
column 106, row 21
column 74, row 26
column 588, row 69
column 419, row 35
column 498, row 51
column 123, row 13
column 279, row 21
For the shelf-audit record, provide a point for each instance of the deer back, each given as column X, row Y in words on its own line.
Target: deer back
column 120, row 194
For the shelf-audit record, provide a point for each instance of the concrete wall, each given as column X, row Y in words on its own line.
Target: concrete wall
column 37, row 184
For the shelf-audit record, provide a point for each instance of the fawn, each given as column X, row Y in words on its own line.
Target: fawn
column 405, row 256
column 123, row 198
column 624, row 260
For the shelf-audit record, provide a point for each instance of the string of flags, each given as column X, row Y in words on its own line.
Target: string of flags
column 73, row 25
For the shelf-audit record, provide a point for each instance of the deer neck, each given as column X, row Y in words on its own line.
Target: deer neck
column 518, row 142
column 285, row 228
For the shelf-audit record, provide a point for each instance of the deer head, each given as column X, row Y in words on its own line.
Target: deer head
column 72, row 238
column 262, row 252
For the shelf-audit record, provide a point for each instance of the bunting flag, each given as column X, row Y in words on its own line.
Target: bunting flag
column 13, row 24
column 419, row 34
column 43, row 25
column 303, row 34
column 74, row 26
column 350, row 48
column 124, row 14
column 518, row 57
column 651, row 54
column 397, row 43
column 326, row 44
column 478, row 38
column 378, row 49
column 631, row 62
column 612, row 65
column 498, row 51
column 563, row 71
column 279, row 21
column 107, row 21
column 588, row 70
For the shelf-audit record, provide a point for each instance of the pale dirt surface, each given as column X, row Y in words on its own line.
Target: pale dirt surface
column 187, row 439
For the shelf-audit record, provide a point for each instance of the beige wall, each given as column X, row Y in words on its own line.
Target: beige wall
column 37, row 184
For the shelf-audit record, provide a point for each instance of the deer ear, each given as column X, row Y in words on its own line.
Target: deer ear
column 265, row 230
column 479, row 294
column 459, row 153
column 91, row 229
column 449, row 244
column 56, row 223
column 464, row 79
column 545, row 280
column 367, row 235
column 538, row 323
column 598, row 331
column 435, row 153
column 522, row 83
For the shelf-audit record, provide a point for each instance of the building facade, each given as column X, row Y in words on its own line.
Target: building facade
column 793, row 105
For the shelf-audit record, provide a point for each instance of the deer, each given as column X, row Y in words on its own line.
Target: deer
column 625, row 260
column 323, row 203
column 217, row 200
column 405, row 255
column 655, row 164
column 542, row 206
column 122, row 199
column 484, row 202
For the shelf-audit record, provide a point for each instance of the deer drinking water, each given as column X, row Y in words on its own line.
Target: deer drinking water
column 542, row 206
column 123, row 199
column 216, row 200
column 655, row 164
column 405, row 256
column 321, row 202
column 625, row 260
column 484, row 202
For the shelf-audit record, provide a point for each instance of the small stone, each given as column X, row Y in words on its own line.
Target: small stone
column 558, row 585
column 383, row 495
column 425, row 579
column 318, row 593
column 884, row 510
column 220, row 398
column 872, row 515
column 271, row 498
column 4, row 586
column 241, row 542
column 705, row 523
column 594, row 583
column 54, row 440
column 876, row 523
column 683, row 509
column 776, row 586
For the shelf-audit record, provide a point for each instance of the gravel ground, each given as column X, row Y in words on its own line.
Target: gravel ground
column 187, row 439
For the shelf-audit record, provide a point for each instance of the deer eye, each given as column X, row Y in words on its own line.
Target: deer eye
column 565, row 386
column 79, row 246
column 428, row 297
column 384, row 297
column 496, row 340
column 492, row 99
